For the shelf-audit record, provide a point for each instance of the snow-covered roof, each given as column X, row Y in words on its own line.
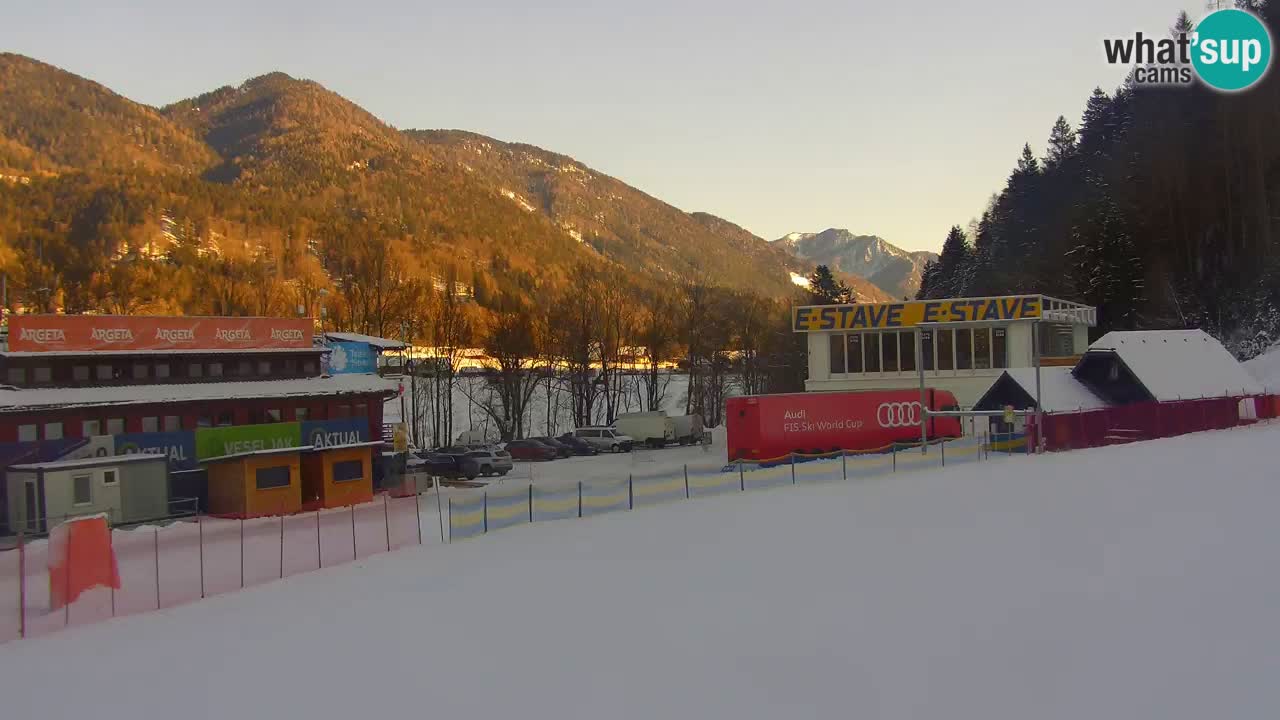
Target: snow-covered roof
column 1266, row 368
column 1059, row 389
column 1178, row 364
column 24, row 399
column 380, row 343
column 91, row 462
column 257, row 453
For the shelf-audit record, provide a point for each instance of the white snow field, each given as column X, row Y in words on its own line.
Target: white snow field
column 1266, row 368
column 1134, row 582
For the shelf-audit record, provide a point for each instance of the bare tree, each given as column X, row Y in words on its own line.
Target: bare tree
column 515, row 343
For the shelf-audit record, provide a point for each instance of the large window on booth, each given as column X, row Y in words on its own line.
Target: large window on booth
column 837, row 353
column 982, row 348
column 853, row 352
column 348, row 470
column 907, row 351
column 276, row 476
column 964, row 349
column 871, row 351
column 945, row 348
column 999, row 348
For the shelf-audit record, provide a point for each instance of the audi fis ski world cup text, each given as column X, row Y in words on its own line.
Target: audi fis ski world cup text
column 1228, row 50
column 794, row 421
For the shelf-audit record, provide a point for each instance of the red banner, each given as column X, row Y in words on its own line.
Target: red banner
column 48, row 333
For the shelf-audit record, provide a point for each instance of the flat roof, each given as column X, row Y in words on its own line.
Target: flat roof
column 256, row 453
column 159, row 353
column 18, row 399
column 371, row 340
column 90, row 462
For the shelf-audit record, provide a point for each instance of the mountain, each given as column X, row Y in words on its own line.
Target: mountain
column 893, row 270
column 52, row 121
column 285, row 173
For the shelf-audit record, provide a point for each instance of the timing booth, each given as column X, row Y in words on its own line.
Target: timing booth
column 339, row 475
column 252, row 484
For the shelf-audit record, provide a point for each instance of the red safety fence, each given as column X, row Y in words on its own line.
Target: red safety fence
column 1151, row 420
column 194, row 558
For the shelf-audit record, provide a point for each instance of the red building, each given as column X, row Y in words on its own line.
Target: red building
column 80, row 376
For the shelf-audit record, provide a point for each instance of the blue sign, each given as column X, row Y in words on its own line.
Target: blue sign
column 179, row 447
column 352, row 357
column 330, row 433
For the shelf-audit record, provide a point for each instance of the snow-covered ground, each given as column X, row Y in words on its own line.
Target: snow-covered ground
column 1127, row 582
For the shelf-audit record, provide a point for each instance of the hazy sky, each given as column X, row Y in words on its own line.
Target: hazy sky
column 890, row 118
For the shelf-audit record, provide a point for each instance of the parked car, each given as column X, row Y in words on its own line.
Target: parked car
column 562, row 450
column 605, row 439
column 491, row 461
column 654, row 429
column 531, row 450
column 452, row 466
column 578, row 445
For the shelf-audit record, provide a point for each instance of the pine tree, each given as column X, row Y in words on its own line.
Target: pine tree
column 826, row 289
column 1062, row 144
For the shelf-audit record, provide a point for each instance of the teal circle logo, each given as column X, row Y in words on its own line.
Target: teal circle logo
column 1231, row 50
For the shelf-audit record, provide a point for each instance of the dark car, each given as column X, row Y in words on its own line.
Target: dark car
column 531, row 450
column 561, row 449
column 452, row 466
column 579, row 447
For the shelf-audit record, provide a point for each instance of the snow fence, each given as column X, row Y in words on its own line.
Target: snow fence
column 483, row 511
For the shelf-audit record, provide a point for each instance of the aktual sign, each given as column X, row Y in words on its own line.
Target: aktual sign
column 48, row 333
column 179, row 447
column 821, row 318
column 332, row 433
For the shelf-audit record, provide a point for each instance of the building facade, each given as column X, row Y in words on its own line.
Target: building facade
column 965, row 343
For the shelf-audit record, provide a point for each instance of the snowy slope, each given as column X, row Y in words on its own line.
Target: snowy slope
column 1266, row 368
column 1128, row 582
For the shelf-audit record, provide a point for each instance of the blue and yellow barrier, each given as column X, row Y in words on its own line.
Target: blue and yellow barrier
column 602, row 496
column 466, row 516
column 657, row 488
column 713, row 483
column 555, row 504
column 507, row 508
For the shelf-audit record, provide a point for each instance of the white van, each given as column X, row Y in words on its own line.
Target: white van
column 604, row 439
column 472, row 438
column 688, row 429
column 654, row 429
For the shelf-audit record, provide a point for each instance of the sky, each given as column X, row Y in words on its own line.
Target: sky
column 896, row 119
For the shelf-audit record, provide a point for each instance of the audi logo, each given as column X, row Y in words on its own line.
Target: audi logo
column 898, row 414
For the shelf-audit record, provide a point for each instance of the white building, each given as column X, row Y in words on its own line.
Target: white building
column 965, row 343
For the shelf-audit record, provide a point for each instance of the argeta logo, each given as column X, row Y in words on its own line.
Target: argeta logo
column 285, row 335
column 176, row 335
column 111, row 335
column 41, row 336
column 1229, row 50
column 898, row 414
column 240, row 335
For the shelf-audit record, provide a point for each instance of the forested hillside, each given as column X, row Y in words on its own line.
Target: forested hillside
column 1162, row 207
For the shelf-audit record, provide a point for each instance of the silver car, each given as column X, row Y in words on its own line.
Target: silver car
column 605, row 439
column 491, row 461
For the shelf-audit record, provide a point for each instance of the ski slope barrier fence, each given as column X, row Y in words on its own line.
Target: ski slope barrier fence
column 159, row 567
column 484, row 511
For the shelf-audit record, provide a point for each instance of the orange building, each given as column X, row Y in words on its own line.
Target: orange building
column 253, row 484
column 338, row 475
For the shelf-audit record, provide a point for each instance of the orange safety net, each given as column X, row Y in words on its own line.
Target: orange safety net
column 80, row 558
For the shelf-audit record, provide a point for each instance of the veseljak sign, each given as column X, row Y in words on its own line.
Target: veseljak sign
column 54, row 333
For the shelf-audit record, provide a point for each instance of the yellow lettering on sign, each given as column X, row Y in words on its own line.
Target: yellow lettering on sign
column 823, row 318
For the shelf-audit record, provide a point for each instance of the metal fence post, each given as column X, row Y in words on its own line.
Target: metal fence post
column 354, row 554
column 530, row 502
column 319, row 556
column 793, row 468
column 282, row 545
column 111, row 543
column 156, row 538
column 66, row 589
column 844, row 466
column 943, row 444
column 893, row 450
column 686, row 482
column 450, row 520
column 386, row 519
column 22, row 580
column 631, row 492
column 579, row 498
column 200, row 532
column 486, row 511
column 742, row 478
column 417, row 511
column 242, row 553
